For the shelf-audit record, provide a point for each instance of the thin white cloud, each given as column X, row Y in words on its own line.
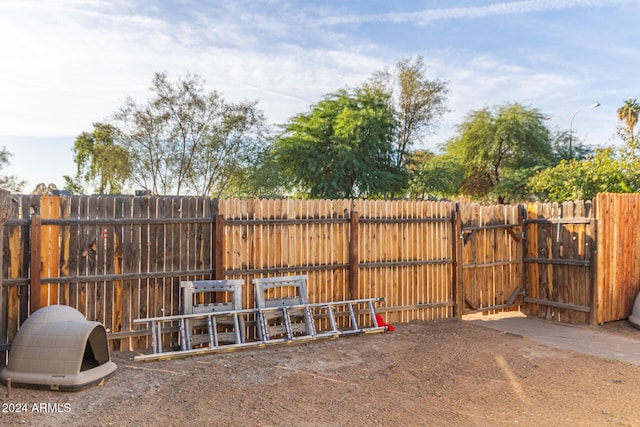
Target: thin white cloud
column 425, row 17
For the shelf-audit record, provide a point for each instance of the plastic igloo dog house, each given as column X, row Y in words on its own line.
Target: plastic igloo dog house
column 634, row 319
column 59, row 349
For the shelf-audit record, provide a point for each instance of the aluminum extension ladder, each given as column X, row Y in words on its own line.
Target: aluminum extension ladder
column 325, row 315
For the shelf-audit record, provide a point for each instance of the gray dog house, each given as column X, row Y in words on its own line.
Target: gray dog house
column 634, row 319
column 59, row 349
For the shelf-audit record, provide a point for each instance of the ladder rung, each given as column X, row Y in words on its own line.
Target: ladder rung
column 354, row 320
column 212, row 324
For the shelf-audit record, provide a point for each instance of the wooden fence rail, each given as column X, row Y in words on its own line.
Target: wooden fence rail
column 119, row 258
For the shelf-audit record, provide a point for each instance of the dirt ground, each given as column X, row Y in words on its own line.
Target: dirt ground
column 440, row 373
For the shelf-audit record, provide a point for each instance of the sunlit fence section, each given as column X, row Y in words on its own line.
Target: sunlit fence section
column 121, row 258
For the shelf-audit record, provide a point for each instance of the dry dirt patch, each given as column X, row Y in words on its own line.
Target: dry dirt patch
column 446, row 372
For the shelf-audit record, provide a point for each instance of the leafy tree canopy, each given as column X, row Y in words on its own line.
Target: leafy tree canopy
column 432, row 175
column 342, row 148
column 500, row 148
column 100, row 160
column 600, row 172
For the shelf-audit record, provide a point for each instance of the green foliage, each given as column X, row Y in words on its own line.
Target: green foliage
column 601, row 172
column 433, row 175
column 73, row 184
column 9, row 182
column 100, row 160
column 500, row 149
column 343, row 148
column 261, row 177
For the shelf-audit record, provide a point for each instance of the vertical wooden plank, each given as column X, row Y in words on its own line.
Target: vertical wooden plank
column 181, row 208
column 159, row 259
column 117, row 243
column 220, row 249
column 74, row 237
column 9, row 295
column 532, row 287
column 111, row 241
column 16, row 270
column 129, row 254
column 458, row 261
column 50, row 250
column 65, row 252
column 354, row 263
column 102, row 260
column 173, row 252
column 26, row 208
column 206, row 237
column 35, row 263
column 87, row 253
column 94, row 236
column 591, row 255
column 139, row 263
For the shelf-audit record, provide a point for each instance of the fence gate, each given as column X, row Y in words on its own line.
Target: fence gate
column 491, row 258
column 560, row 248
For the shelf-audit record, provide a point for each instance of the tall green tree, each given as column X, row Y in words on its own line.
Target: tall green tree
column 418, row 102
column 500, row 149
column 342, row 148
column 100, row 160
column 628, row 114
column 186, row 140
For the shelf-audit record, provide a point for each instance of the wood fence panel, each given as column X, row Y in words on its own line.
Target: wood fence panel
column 114, row 258
column 491, row 256
column 618, row 268
column 406, row 257
column 559, row 271
column 15, row 268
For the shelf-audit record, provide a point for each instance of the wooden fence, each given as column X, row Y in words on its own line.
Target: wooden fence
column 490, row 257
column 400, row 251
column 115, row 259
column 120, row 258
column 618, row 260
column 559, row 272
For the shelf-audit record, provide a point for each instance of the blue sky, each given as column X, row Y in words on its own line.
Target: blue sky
column 65, row 64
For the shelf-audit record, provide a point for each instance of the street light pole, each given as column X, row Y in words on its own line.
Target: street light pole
column 594, row 105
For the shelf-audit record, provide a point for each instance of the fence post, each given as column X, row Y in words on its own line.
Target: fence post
column 353, row 255
column 458, row 288
column 218, row 273
column 35, row 242
column 6, row 208
column 594, row 315
column 523, row 248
